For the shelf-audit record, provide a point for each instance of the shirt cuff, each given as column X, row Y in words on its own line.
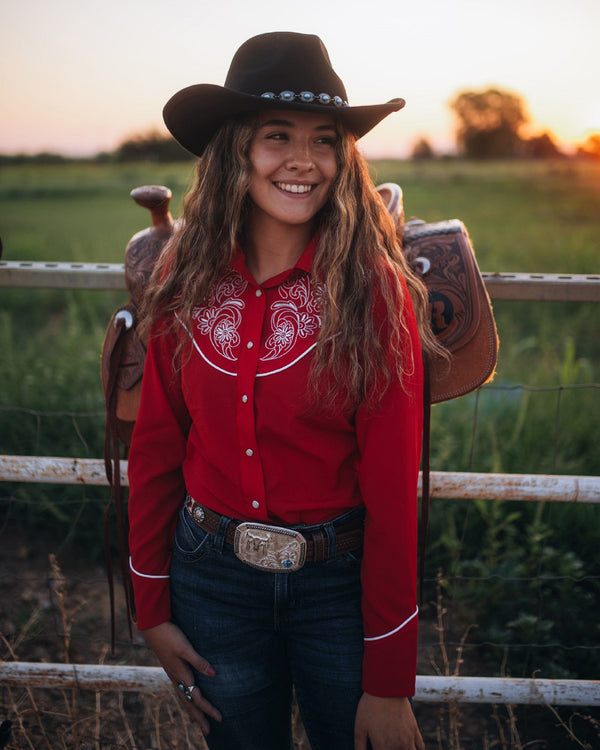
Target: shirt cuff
column 390, row 661
column 152, row 597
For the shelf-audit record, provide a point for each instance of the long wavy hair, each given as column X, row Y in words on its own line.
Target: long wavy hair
column 358, row 353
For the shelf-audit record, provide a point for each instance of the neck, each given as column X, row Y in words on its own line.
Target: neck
column 272, row 250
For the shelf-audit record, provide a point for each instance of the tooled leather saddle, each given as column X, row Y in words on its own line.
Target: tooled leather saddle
column 461, row 319
column 122, row 367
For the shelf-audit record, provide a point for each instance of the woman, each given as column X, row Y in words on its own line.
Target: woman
column 278, row 440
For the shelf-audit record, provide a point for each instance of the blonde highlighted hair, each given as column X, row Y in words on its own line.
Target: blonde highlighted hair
column 358, row 257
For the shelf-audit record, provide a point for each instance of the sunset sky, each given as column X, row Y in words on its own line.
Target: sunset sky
column 79, row 76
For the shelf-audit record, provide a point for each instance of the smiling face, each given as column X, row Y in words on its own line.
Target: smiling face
column 293, row 157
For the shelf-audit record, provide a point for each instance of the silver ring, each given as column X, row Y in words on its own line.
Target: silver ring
column 187, row 691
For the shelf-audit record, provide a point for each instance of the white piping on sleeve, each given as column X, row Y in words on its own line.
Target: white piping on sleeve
column 395, row 630
column 143, row 575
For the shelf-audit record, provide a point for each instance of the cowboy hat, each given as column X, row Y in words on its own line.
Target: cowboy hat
column 276, row 70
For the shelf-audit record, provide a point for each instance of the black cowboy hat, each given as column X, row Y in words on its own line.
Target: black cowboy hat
column 277, row 70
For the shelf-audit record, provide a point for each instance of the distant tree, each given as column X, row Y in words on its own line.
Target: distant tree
column 591, row 148
column 44, row 157
column 541, row 147
column 488, row 123
column 151, row 146
column 422, row 150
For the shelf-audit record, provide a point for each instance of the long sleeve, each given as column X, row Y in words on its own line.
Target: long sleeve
column 389, row 440
column 155, row 479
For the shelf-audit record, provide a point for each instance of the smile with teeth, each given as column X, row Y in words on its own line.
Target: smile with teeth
column 287, row 188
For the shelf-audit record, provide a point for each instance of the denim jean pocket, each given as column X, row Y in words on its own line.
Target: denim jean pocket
column 191, row 543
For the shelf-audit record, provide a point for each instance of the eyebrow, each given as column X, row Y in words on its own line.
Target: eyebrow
column 289, row 124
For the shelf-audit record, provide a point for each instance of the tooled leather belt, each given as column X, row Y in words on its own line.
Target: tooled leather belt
column 277, row 547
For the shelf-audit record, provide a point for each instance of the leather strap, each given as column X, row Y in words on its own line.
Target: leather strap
column 113, row 474
column 349, row 536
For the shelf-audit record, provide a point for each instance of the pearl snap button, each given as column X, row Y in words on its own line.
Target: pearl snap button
column 255, row 504
column 249, row 452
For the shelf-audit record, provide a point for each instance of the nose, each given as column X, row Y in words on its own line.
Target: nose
column 300, row 157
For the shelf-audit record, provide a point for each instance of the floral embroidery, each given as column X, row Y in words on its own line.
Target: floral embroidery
column 221, row 318
column 294, row 316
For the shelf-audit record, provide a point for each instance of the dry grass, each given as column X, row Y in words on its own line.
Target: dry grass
column 78, row 719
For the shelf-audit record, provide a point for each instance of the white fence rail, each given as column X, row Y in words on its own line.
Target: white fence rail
column 562, row 287
column 434, row 689
column 444, row 484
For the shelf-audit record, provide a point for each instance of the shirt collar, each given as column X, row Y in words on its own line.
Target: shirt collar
column 304, row 264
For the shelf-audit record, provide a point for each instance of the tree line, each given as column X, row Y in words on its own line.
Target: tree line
column 489, row 124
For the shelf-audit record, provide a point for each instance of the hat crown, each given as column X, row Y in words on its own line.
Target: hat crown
column 280, row 69
column 284, row 61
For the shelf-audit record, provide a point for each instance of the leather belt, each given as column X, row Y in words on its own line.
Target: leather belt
column 277, row 547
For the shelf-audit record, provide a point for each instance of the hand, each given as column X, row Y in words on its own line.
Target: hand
column 389, row 724
column 176, row 655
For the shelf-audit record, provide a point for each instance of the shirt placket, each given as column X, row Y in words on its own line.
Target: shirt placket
column 251, row 471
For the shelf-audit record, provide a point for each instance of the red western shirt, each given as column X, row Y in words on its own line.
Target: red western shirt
column 234, row 427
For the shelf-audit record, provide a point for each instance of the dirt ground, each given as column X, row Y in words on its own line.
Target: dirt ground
column 47, row 592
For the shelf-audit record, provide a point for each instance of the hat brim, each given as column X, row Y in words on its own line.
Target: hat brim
column 194, row 114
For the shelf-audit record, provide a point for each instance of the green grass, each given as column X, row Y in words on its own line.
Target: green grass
column 527, row 216
column 522, row 217
column 78, row 212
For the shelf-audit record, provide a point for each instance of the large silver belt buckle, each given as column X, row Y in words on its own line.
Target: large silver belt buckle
column 269, row 547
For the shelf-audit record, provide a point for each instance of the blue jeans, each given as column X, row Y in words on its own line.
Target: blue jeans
column 267, row 634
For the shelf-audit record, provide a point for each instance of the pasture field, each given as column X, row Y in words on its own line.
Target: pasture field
column 525, row 216
column 521, row 575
